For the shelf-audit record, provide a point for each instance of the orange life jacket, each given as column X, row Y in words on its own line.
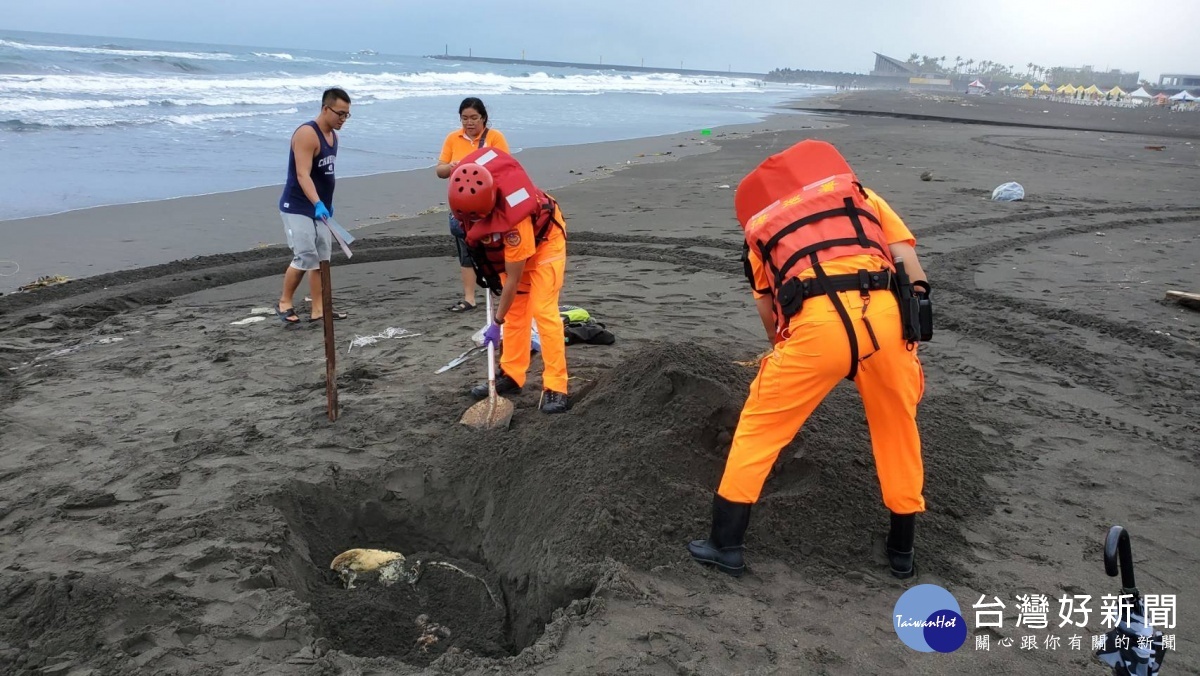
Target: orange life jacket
column 800, row 208
column 519, row 199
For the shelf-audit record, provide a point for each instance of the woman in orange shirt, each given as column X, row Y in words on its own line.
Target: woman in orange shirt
column 459, row 143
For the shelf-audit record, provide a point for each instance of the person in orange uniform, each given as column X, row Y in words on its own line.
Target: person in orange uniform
column 828, row 260
column 474, row 134
column 517, row 236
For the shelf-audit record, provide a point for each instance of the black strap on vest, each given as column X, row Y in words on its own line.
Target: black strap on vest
column 748, row 269
column 791, row 292
column 827, row 286
column 849, row 210
column 864, row 281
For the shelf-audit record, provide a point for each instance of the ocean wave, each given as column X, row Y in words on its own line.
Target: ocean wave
column 17, row 66
column 201, row 118
column 283, row 56
column 89, row 120
column 63, row 105
column 64, row 125
column 286, row 89
column 117, row 50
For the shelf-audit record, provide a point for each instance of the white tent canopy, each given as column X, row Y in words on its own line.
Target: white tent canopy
column 1183, row 96
column 978, row 84
column 1141, row 93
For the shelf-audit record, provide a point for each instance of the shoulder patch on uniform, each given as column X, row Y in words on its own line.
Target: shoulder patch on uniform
column 512, row 238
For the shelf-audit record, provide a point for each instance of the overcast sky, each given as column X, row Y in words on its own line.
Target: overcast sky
column 1150, row 36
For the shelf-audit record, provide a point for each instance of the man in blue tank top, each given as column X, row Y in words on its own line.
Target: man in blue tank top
column 308, row 199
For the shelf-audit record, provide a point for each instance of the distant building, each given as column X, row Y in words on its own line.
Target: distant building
column 886, row 66
column 1179, row 80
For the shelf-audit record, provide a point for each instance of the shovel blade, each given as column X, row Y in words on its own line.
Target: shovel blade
column 490, row 414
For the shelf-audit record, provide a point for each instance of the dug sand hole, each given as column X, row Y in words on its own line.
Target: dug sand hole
column 442, row 594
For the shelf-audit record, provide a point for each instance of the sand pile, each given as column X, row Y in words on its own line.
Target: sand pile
column 537, row 510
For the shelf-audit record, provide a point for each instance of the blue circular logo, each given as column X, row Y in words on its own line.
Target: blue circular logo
column 927, row 618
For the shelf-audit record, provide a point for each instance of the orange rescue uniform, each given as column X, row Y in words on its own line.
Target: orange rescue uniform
column 810, row 360
column 458, row 145
column 536, row 300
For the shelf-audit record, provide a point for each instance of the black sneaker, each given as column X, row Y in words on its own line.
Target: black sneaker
column 554, row 402
column 504, row 385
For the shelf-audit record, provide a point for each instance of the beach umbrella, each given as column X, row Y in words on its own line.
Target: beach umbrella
column 1131, row 648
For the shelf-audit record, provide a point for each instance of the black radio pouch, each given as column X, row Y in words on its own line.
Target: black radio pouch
column 791, row 297
column 916, row 309
column 925, row 315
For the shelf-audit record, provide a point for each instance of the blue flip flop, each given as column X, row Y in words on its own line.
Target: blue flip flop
column 285, row 316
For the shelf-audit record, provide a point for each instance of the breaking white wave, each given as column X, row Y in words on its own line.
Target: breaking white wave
column 34, row 92
column 63, row 105
column 117, row 51
column 200, row 118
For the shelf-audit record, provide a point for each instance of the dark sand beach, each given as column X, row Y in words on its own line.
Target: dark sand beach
column 171, row 492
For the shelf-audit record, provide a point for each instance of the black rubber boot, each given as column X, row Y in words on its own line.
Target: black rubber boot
column 724, row 545
column 900, row 551
column 504, row 385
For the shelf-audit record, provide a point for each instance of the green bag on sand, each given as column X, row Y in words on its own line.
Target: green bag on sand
column 573, row 315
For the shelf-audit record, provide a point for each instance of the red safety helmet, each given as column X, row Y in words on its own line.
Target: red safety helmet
column 472, row 192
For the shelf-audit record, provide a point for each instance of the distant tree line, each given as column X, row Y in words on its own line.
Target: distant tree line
column 811, row 76
column 999, row 72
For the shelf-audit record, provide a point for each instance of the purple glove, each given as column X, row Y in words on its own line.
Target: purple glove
column 491, row 335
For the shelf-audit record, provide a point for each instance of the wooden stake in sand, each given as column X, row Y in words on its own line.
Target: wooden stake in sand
column 331, row 397
column 344, row 240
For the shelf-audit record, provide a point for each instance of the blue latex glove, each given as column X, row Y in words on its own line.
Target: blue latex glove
column 491, row 335
column 321, row 212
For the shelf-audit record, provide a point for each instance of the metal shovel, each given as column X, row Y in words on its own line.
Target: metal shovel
column 495, row 411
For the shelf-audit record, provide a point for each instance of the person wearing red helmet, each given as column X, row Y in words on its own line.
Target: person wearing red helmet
column 516, row 232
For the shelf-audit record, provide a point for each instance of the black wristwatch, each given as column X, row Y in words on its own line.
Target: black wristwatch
column 499, row 321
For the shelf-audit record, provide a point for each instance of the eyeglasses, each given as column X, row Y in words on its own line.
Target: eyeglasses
column 472, row 118
column 342, row 114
